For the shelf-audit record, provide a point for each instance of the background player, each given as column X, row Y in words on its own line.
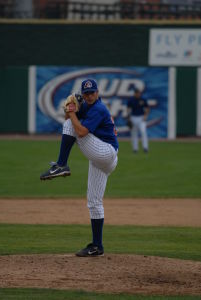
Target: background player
column 138, row 111
column 93, row 130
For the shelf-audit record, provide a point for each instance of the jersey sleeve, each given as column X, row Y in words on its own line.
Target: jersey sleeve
column 93, row 119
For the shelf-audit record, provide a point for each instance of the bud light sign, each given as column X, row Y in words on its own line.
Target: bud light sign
column 116, row 86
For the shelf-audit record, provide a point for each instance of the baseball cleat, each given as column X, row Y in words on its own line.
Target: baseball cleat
column 90, row 251
column 55, row 171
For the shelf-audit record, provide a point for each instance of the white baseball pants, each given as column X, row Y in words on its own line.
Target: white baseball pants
column 102, row 161
column 139, row 125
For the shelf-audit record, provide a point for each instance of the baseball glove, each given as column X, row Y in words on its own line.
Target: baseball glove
column 73, row 103
column 129, row 123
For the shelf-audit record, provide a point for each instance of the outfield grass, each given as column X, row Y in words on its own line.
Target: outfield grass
column 183, row 243
column 43, row 294
column 170, row 169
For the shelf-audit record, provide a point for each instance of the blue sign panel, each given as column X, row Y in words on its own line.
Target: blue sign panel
column 116, row 87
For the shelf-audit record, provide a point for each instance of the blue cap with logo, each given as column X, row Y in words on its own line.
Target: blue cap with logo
column 89, row 85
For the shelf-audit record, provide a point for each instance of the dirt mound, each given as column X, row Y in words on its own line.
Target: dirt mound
column 110, row 274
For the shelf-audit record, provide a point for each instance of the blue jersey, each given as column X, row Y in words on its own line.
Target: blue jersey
column 97, row 119
column 137, row 106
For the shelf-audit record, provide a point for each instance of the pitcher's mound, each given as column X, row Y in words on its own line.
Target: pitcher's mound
column 109, row 274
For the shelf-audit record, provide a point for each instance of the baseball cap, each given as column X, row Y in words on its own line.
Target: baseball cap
column 89, row 85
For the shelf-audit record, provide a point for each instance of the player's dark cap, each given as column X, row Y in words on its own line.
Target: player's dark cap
column 89, row 85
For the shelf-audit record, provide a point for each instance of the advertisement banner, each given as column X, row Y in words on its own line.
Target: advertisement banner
column 175, row 47
column 116, row 86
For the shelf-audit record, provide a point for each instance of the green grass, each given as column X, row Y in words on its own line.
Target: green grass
column 183, row 243
column 171, row 169
column 43, row 294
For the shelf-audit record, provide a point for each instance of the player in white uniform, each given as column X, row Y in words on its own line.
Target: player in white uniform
column 138, row 111
column 92, row 128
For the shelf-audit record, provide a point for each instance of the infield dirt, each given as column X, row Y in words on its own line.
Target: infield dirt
column 153, row 212
column 123, row 273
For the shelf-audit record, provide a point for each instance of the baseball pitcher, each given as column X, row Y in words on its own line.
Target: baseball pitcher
column 89, row 124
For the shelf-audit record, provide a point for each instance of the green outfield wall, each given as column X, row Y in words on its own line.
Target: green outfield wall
column 26, row 43
column 13, row 99
column 186, row 98
column 106, row 44
column 73, row 44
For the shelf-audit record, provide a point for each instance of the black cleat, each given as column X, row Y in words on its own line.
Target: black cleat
column 55, row 171
column 90, row 251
